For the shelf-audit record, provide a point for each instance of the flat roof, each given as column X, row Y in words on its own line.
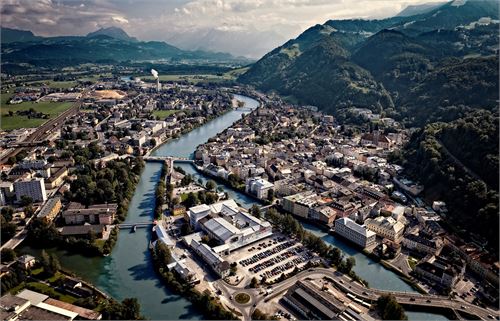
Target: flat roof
column 314, row 302
column 221, row 228
column 82, row 312
column 32, row 296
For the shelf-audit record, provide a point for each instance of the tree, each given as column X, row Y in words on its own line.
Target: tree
column 191, row 200
column 8, row 255
column 26, row 201
column 350, row 262
column 8, row 229
column 255, row 210
column 211, row 185
column 390, row 309
column 335, row 255
column 163, row 254
column 254, row 283
column 131, row 309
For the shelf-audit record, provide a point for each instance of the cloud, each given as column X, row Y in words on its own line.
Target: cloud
column 249, row 27
column 63, row 17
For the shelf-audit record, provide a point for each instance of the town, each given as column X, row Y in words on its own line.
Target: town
column 68, row 184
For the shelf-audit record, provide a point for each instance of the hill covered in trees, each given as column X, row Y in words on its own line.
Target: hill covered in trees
column 458, row 162
column 417, row 69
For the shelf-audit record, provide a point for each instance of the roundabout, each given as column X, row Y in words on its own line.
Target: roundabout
column 242, row 298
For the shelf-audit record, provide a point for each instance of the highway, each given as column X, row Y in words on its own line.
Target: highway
column 347, row 285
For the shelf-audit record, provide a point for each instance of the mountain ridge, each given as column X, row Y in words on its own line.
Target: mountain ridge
column 392, row 57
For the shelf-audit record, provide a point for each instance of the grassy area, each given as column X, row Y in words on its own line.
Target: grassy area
column 184, row 197
column 45, row 289
column 162, row 114
column 52, row 109
column 242, row 298
column 56, row 84
column 4, row 98
column 235, row 73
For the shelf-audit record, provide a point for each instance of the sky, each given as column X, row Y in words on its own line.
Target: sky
column 241, row 27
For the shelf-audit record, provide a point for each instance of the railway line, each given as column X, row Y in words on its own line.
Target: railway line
column 44, row 130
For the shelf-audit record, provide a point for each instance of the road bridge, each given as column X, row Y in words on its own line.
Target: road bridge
column 347, row 285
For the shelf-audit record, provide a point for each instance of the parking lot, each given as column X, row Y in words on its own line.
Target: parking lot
column 269, row 258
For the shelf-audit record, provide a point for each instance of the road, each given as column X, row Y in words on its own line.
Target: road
column 19, row 237
column 348, row 286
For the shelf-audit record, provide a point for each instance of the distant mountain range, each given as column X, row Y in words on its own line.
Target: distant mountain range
column 411, row 67
column 104, row 45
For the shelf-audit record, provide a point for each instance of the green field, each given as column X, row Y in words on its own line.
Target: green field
column 53, row 109
column 162, row 114
column 57, row 84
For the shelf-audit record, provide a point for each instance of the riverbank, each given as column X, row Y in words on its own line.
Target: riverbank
column 129, row 269
column 196, row 125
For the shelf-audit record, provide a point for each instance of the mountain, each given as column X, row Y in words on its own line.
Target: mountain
column 413, row 10
column 113, row 32
column 9, row 35
column 396, row 64
column 105, row 45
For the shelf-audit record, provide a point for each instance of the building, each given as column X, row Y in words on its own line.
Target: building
column 313, row 304
column 299, row 204
column 357, row 234
column 196, row 213
column 30, row 305
column 26, row 261
column 50, row 210
column 258, row 187
column 56, row 178
column 11, row 306
column 83, row 230
column 34, row 188
column 214, row 260
column 76, row 213
column 234, row 228
column 386, row 227
column 323, row 214
column 422, row 245
column 440, row 271
column 377, row 139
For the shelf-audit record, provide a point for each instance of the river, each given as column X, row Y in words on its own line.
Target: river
column 128, row 271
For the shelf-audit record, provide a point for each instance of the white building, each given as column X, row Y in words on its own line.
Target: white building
column 358, row 234
column 386, row 227
column 196, row 213
column 259, row 187
column 34, row 188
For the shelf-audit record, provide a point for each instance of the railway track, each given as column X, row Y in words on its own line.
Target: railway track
column 44, row 130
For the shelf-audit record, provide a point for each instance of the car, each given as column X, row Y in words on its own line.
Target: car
column 412, row 299
column 428, row 301
column 254, row 305
column 463, row 307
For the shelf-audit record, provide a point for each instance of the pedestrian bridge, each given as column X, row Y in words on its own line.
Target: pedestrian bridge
column 136, row 224
column 163, row 159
